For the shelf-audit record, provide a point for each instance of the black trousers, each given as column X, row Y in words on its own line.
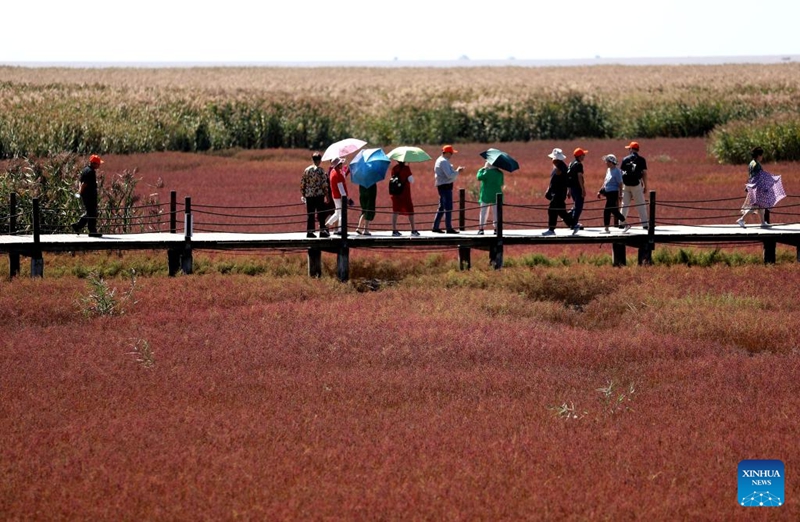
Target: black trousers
column 315, row 206
column 558, row 209
column 612, row 208
column 89, row 218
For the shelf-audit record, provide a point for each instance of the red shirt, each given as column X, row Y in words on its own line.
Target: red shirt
column 336, row 177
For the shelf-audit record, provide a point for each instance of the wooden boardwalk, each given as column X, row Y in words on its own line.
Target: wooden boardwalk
column 179, row 245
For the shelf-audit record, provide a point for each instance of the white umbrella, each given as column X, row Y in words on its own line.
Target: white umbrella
column 342, row 148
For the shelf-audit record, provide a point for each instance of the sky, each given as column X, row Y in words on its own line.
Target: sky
column 150, row 31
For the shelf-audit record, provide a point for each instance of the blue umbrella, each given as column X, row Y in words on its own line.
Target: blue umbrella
column 369, row 166
column 501, row 160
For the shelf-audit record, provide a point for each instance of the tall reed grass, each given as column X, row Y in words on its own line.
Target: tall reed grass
column 49, row 111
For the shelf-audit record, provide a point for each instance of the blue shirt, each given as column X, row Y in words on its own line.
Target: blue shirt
column 613, row 180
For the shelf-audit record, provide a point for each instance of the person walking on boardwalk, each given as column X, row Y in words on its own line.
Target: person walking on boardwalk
column 491, row 180
column 338, row 186
column 400, row 194
column 634, row 180
column 314, row 190
column 612, row 190
column 367, row 197
column 88, row 194
column 763, row 190
column 557, row 194
column 577, row 188
column 445, row 175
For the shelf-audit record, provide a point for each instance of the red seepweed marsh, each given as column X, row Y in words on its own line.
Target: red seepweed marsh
column 577, row 392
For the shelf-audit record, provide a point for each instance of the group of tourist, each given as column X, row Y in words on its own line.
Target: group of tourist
column 323, row 192
column 624, row 186
column 625, row 183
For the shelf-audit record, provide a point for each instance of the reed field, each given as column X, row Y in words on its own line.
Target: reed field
column 44, row 111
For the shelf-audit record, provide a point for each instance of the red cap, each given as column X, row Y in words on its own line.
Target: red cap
column 579, row 152
column 95, row 159
column 449, row 148
column 633, row 145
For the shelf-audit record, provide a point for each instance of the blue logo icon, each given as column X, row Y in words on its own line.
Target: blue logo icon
column 761, row 483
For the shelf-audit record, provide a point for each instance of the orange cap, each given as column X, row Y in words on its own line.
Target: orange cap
column 95, row 159
column 579, row 152
column 633, row 145
column 449, row 148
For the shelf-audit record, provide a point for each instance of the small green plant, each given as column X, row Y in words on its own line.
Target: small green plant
column 143, row 353
column 616, row 401
column 567, row 411
column 102, row 300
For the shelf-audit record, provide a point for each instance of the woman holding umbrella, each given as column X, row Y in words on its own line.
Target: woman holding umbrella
column 491, row 179
column 338, row 191
column 401, row 202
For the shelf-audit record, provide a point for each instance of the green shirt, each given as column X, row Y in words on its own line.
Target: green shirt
column 491, row 184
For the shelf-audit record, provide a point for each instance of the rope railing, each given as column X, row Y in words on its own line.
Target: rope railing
column 691, row 213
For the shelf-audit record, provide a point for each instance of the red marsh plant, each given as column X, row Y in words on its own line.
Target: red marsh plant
column 287, row 398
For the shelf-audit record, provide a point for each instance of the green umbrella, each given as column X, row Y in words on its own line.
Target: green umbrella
column 409, row 154
column 501, row 160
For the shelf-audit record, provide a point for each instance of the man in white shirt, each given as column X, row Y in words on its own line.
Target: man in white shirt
column 445, row 175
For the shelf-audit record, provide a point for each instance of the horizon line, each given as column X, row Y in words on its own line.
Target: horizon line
column 463, row 61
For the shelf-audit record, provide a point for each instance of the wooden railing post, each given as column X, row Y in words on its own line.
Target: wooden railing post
column 13, row 257
column 173, row 212
column 462, row 213
column 343, row 256
column 496, row 250
column 188, row 227
column 646, row 252
column 37, row 261
column 464, row 253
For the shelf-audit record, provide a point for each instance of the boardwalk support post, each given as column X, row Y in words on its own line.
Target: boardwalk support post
column 464, row 253
column 13, row 257
column 646, row 252
column 343, row 256
column 37, row 261
column 188, row 226
column 496, row 250
column 769, row 251
column 618, row 254
column 314, row 262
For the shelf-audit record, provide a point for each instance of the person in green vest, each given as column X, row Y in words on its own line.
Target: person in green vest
column 491, row 180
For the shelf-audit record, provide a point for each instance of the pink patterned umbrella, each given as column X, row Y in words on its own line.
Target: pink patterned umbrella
column 342, row 148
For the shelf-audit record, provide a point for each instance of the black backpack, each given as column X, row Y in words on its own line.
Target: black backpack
column 395, row 185
column 630, row 174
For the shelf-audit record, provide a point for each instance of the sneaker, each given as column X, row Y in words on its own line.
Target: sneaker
column 310, row 235
column 76, row 228
column 95, row 234
column 740, row 222
column 645, row 227
column 626, row 228
column 337, row 233
column 366, row 233
column 324, row 233
column 575, row 229
column 579, row 226
column 358, row 232
column 549, row 233
column 415, row 233
column 480, row 232
column 437, row 230
column 764, row 224
column 395, row 233
column 452, row 231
